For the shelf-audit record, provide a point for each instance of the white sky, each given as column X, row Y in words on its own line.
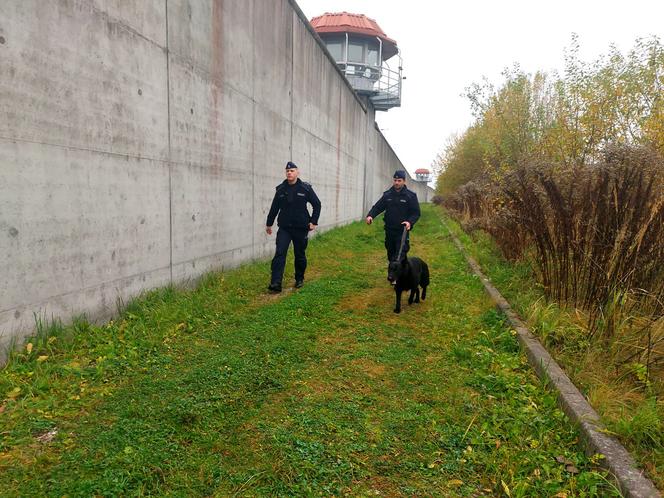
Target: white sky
column 446, row 46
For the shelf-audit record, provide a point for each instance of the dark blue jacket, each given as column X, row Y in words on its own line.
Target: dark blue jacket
column 398, row 206
column 291, row 204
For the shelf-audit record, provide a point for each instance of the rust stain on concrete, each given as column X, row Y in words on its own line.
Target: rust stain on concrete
column 216, row 71
column 338, row 182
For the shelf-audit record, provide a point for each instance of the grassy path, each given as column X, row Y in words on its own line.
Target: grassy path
column 226, row 391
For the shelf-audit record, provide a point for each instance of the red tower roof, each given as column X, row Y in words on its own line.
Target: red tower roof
column 422, row 171
column 345, row 22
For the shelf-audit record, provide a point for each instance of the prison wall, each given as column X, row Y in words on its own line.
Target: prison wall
column 140, row 144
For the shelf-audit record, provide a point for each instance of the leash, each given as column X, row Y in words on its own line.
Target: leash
column 403, row 242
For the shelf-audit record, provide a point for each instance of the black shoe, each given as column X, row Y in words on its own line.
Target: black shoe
column 299, row 283
column 274, row 288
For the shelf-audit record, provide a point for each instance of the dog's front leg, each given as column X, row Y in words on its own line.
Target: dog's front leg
column 397, row 308
column 410, row 298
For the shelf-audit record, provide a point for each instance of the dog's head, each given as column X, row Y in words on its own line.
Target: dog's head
column 395, row 270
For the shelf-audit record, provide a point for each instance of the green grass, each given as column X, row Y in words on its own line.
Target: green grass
column 224, row 390
column 631, row 409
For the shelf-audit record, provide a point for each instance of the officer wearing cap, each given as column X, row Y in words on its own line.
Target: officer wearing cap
column 295, row 223
column 401, row 209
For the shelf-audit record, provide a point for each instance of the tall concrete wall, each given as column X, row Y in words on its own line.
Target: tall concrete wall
column 141, row 142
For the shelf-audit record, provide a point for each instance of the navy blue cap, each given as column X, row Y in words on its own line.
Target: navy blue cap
column 399, row 174
column 291, row 165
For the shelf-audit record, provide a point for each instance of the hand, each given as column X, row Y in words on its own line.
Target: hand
column 369, row 220
column 407, row 224
column 268, row 230
column 312, row 227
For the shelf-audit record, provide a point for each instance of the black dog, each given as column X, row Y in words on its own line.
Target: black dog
column 410, row 274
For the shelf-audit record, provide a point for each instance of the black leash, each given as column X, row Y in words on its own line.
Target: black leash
column 403, row 241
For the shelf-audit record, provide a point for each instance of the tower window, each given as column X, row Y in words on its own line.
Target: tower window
column 355, row 52
column 372, row 58
column 336, row 49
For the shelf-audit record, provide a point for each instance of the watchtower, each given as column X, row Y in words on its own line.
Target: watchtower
column 361, row 50
column 422, row 175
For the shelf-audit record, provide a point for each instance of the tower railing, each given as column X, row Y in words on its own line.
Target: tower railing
column 381, row 83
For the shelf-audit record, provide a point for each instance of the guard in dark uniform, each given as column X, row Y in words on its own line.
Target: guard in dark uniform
column 295, row 223
column 401, row 209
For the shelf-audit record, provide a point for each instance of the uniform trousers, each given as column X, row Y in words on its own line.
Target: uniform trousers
column 393, row 241
column 300, row 239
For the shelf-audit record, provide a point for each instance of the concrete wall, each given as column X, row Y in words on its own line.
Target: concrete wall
column 141, row 143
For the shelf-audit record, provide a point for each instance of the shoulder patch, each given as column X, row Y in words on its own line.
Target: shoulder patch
column 307, row 186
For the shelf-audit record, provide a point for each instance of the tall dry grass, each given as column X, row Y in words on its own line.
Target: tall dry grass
column 566, row 170
column 566, row 173
column 595, row 234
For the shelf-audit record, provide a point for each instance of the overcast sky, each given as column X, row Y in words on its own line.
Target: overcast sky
column 446, row 46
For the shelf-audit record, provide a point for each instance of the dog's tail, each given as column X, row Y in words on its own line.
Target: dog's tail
column 424, row 282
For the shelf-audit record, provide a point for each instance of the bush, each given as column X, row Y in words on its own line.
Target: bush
column 594, row 234
column 568, row 172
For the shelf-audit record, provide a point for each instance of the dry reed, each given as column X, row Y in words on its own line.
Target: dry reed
column 596, row 236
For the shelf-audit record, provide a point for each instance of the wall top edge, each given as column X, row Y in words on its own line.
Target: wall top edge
column 321, row 44
column 389, row 145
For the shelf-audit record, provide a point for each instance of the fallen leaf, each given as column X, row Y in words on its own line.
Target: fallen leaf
column 455, row 482
column 562, row 459
column 14, row 393
column 571, row 469
column 506, row 488
column 47, row 437
column 42, row 358
column 28, row 347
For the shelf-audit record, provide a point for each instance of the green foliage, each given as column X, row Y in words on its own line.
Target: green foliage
column 643, row 426
column 566, row 171
column 463, row 160
column 564, row 120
